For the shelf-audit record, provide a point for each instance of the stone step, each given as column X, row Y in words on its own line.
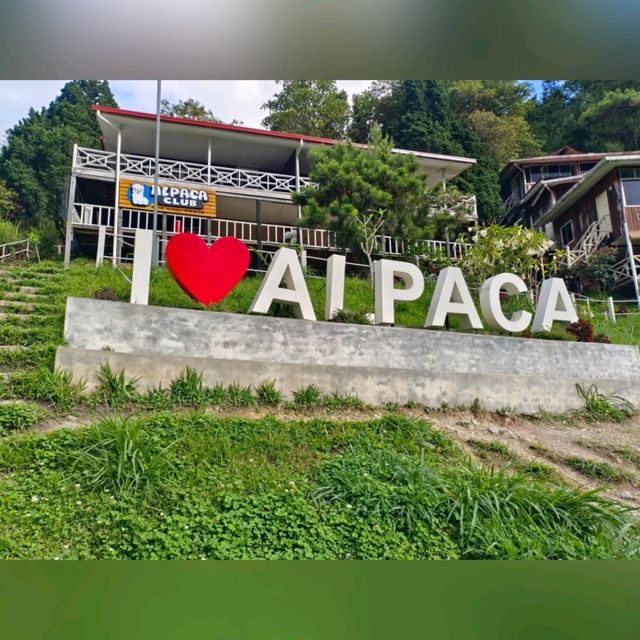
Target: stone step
column 16, row 296
column 22, row 316
column 12, row 347
column 29, row 290
column 26, row 306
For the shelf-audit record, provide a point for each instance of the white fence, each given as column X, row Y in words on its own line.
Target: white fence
column 94, row 216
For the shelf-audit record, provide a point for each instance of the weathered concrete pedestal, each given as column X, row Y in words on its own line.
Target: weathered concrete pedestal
column 378, row 364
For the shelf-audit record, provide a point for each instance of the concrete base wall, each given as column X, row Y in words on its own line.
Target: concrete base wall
column 378, row 364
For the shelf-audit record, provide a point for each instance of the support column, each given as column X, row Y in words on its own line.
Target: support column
column 208, row 185
column 116, row 241
column 71, row 196
column 303, row 253
column 258, row 261
column 632, row 260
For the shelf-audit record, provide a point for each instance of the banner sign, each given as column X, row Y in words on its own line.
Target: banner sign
column 136, row 194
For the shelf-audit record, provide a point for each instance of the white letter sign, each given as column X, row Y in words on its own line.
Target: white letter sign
column 335, row 285
column 452, row 297
column 492, row 309
column 284, row 265
column 384, row 272
column 552, row 292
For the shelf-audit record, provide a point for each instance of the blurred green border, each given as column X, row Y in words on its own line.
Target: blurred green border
column 336, row 39
column 308, row 600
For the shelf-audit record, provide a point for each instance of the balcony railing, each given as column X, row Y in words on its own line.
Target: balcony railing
column 95, row 160
column 94, row 216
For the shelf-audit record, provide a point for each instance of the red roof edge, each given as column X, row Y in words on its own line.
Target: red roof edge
column 213, row 125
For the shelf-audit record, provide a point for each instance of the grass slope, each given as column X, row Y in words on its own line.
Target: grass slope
column 174, row 481
column 196, row 486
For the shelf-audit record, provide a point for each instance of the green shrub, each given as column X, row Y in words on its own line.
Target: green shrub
column 600, row 407
column 239, row 396
column 8, row 232
column 114, row 389
column 267, row 394
column 309, row 396
column 156, row 399
column 350, row 317
column 16, row 416
column 476, row 407
column 188, row 390
column 56, row 387
column 120, row 457
column 338, row 400
column 217, row 394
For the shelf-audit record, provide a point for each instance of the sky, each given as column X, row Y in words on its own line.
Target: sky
column 227, row 99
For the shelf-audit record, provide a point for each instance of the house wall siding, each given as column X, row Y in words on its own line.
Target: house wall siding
column 583, row 212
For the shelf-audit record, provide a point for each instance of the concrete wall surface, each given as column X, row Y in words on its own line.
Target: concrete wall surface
column 379, row 364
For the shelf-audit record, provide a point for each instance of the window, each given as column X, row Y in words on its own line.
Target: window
column 587, row 166
column 548, row 172
column 631, row 185
column 566, row 233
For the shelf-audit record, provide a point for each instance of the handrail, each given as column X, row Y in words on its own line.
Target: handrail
column 7, row 252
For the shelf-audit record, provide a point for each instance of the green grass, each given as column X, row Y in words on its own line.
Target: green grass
column 82, row 279
column 597, row 470
column 17, row 416
column 195, row 486
column 600, row 407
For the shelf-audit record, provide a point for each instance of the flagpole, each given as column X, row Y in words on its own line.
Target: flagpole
column 156, row 252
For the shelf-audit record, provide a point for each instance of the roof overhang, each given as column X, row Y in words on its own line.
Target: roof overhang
column 189, row 140
column 589, row 179
column 519, row 163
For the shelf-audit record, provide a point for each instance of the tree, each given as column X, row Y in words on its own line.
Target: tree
column 576, row 113
column 504, row 137
column 8, row 203
column 433, row 116
column 188, row 108
column 36, row 158
column 308, row 107
column 500, row 97
column 614, row 121
column 361, row 193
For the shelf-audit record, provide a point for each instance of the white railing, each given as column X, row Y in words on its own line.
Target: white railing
column 18, row 249
column 591, row 239
column 181, row 171
column 93, row 215
column 89, row 215
column 511, row 200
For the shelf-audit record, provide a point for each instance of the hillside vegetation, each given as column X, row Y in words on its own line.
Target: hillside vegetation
column 237, row 472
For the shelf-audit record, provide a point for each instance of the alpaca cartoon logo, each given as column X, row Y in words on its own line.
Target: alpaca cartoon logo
column 140, row 194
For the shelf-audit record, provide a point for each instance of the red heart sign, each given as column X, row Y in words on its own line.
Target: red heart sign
column 207, row 274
